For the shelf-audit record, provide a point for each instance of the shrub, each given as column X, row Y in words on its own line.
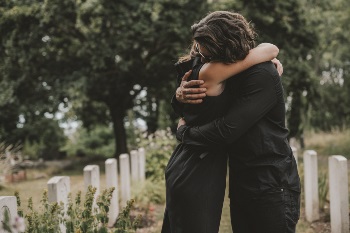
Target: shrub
column 78, row 218
column 159, row 147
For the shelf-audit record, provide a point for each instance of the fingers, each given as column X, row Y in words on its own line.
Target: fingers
column 193, row 83
column 186, row 93
column 278, row 66
column 187, row 74
column 193, row 90
column 280, row 69
column 194, row 96
column 198, row 101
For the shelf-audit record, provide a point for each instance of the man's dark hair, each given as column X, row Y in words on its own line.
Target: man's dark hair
column 227, row 36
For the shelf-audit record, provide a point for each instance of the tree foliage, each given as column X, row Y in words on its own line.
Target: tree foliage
column 97, row 54
column 100, row 59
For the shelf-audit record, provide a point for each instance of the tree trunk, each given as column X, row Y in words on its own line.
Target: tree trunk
column 118, row 115
column 295, row 116
column 152, row 119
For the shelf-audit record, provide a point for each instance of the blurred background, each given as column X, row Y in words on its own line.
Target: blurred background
column 81, row 77
column 89, row 79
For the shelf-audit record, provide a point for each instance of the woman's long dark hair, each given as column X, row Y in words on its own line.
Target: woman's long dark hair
column 227, row 37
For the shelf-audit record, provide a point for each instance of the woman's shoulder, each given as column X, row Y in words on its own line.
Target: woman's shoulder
column 210, row 70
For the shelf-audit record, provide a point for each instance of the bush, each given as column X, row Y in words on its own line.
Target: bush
column 97, row 141
column 79, row 217
column 159, row 147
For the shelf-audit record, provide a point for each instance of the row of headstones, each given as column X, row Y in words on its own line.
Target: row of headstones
column 59, row 186
column 338, row 190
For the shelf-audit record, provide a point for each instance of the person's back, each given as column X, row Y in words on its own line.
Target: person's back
column 264, row 147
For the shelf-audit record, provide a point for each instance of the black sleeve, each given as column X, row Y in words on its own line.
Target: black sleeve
column 177, row 106
column 257, row 97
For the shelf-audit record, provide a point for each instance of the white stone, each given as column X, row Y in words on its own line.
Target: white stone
column 8, row 203
column 295, row 153
column 112, row 181
column 294, row 143
column 134, row 165
column 142, row 164
column 338, row 192
column 311, row 186
column 58, row 190
column 124, row 178
column 92, row 177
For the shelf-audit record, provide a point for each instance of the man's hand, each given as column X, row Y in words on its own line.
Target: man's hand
column 186, row 94
column 278, row 65
column 181, row 122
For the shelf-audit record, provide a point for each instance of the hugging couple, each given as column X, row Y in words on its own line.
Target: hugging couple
column 232, row 108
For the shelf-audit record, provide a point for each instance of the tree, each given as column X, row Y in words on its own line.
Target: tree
column 27, row 94
column 330, row 61
column 110, row 50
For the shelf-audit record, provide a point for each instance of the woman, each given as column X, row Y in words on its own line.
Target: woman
column 196, row 176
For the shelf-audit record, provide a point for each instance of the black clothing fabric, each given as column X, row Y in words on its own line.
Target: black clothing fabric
column 274, row 212
column 254, row 133
column 260, row 159
column 196, row 176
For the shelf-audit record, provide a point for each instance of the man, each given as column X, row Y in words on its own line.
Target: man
column 264, row 186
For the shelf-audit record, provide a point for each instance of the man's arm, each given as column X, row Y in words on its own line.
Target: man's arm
column 257, row 99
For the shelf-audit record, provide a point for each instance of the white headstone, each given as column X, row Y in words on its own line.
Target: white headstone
column 339, row 194
column 92, row 177
column 294, row 143
column 58, row 190
column 8, row 203
column 124, row 179
column 134, row 165
column 142, row 164
column 311, row 186
column 295, row 154
column 112, row 181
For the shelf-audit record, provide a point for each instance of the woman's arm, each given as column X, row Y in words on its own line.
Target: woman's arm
column 214, row 72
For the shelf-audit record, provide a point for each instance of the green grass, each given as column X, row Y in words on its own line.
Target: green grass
column 330, row 143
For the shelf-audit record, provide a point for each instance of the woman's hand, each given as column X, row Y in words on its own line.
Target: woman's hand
column 181, row 122
column 278, row 65
column 186, row 94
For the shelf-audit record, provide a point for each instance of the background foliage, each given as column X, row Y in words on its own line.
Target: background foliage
column 109, row 64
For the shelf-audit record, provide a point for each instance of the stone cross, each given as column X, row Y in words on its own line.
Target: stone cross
column 124, row 179
column 112, row 181
column 142, row 164
column 134, row 165
column 58, row 190
column 311, row 186
column 339, row 194
column 8, row 203
column 92, row 177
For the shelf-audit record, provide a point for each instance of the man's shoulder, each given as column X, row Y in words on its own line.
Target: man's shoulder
column 264, row 68
column 267, row 66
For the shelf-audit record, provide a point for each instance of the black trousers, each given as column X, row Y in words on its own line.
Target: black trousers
column 274, row 212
